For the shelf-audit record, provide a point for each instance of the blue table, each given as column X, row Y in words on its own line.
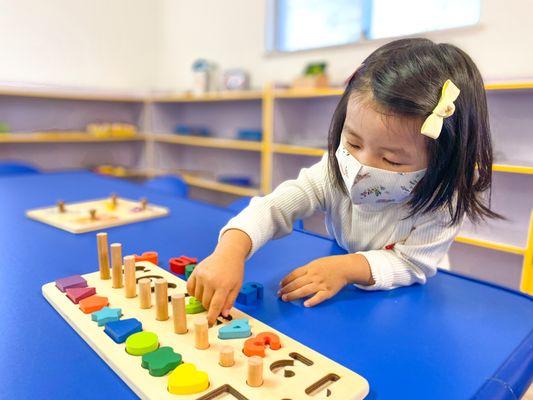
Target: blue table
column 454, row 338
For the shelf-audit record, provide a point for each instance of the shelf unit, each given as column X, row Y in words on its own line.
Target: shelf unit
column 290, row 119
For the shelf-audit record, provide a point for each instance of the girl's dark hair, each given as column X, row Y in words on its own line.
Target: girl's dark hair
column 405, row 78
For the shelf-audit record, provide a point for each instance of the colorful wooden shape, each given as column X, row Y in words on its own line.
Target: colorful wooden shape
column 120, row 330
column 161, row 361
column 106, row 315
column 188, row 270
column 236, row 329
column 93, row 303
column 151, row 256
column 186, row 379
column 256, row 346
column 141, row 343
column 76, row 294
column 74, row 281
column 250, row 293
column 194, row 306
column 178, row 264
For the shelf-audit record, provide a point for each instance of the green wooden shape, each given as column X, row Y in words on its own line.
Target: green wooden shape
column 188, row 270
column 141, row 343
column 194, row 306
column 161, row 361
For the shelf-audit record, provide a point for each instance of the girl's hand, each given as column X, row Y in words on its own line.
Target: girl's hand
column 216, row 281
column 324, row 277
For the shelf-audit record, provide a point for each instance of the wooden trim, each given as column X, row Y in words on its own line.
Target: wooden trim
column 212, row 142
column 526, row 281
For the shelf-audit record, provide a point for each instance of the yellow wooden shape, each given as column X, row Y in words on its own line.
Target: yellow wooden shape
column 186, row 379
column 141, row 343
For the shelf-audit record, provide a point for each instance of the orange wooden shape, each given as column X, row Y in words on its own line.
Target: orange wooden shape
column 256, row 346
column 150, row 256
column 93, row 303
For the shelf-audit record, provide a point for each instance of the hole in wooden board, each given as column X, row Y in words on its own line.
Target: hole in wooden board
column 223, row 390
column 276, row 366
column 302, row 359
column 321, row 387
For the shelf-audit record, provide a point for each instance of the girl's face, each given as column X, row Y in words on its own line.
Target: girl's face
column 383, row 141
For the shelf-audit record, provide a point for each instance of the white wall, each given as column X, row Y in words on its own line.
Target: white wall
column 231, row 32
column 95, row 43
column 152, row 43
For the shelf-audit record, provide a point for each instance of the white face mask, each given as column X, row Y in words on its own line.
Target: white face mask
column 368, row 185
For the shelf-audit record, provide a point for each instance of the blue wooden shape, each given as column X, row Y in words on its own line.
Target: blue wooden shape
column 250, row 293
column 106, row 315
column 120, row 330
column 236, row 329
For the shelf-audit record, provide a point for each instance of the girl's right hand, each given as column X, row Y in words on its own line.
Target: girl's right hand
column 217, row 280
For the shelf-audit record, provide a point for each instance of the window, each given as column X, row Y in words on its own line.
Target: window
column 308, row 24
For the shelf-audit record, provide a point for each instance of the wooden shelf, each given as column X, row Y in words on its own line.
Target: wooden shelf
column 219, row 187
column 307, row 93
column 297, row 150
column 506, row 248
column 212, row 142
column 50, row 92
column 515, row 169
column 509, row 85
column 208, row 97
column 64, row 137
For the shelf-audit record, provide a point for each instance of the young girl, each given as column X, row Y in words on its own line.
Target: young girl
column 409, row 157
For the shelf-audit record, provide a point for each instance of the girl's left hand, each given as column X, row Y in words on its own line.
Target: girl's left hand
column 324, row 278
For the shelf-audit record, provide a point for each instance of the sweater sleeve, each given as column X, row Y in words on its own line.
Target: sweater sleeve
column 417, row 257
column 272, row 216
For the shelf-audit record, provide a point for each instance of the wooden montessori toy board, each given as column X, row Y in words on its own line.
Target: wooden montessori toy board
column 286, row 373
column 94, row 215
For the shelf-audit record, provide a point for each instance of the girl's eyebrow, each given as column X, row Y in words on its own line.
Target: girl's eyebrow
column 351, row 132
column 396, row 150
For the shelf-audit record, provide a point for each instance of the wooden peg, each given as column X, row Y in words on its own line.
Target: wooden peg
column 201, row 333
column 144, row 203
column 226, row 356
column 92, row 214
column 161, row 299
column 116, row 264
column 103, row 255
column 145, row 293
column 114, row 199
column 130, row 285
column 255, row 371
column 61, row 206
column 178, row 313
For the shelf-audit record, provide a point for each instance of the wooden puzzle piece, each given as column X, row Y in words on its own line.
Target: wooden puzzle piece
column 150, row 256
column 93, row 303
column 161, row 361
column 120, row 330
column 186, row 379
column 178, row 264
column 141, row 343
column 188, row 270
column 74, row 281
column 256, row 346
column 236, row 329
column 106, row 315
column 250, row 293
column 77, row 294
column 194, row 306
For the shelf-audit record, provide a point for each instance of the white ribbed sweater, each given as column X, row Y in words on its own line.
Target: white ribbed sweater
column 420, row 243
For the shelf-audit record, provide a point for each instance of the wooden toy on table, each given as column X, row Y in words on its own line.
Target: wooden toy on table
column 98, row 214
column 152, row 350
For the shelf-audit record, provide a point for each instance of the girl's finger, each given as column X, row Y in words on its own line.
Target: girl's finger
column 216, row 305
column 293, row 285
column 303, row 291
column 230, row 300
column 198, row 290
column 207, row 295
column 318, row 298
column 293, row 275
column 191, row 284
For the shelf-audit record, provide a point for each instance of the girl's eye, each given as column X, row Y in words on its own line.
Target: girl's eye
column 392, row 162
column 355, row 146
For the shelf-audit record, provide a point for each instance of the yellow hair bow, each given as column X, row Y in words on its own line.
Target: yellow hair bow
column 445, row 108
